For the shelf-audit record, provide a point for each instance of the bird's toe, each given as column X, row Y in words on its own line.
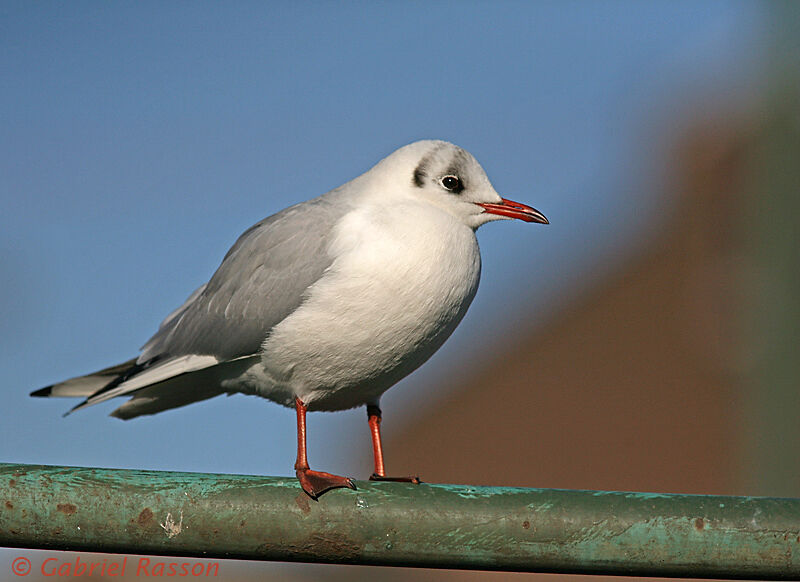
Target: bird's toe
column 315, row 483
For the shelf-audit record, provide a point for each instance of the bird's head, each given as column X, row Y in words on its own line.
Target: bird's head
column 449, row 177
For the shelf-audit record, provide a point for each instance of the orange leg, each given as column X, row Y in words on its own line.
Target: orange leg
column 315, row 483
column 374, row 420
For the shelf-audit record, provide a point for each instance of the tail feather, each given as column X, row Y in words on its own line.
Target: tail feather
column 154, row 385
column 145, row 375
column 86, row 385
column 183, row 389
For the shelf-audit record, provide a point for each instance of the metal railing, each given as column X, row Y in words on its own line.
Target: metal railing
column 396, row 524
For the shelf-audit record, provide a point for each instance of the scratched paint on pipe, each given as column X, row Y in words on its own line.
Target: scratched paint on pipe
column 448, row 526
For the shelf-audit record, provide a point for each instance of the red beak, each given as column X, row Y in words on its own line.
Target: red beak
column 513, row 209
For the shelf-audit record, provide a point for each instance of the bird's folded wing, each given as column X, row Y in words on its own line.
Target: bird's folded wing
column 261, row 280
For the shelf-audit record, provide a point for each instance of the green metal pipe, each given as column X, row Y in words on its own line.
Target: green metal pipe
column 399, row 524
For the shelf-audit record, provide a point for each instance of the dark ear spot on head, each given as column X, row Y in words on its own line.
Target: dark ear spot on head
column 419, row 175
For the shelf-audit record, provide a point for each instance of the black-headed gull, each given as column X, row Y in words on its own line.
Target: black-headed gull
column 326, row 304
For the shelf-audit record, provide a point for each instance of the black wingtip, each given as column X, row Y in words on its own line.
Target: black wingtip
column 74, row 408
column 43, row 392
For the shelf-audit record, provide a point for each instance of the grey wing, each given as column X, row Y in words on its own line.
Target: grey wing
column 261, row 280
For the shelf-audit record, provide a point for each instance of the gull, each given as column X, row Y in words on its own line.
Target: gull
column 326, row 304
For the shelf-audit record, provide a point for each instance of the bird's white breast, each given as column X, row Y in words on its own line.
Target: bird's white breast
column 401, row 280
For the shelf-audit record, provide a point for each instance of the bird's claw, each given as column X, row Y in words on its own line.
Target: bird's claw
column 410, row 479
column 315, row 483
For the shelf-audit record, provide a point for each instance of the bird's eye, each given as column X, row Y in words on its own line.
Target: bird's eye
column 452, row 183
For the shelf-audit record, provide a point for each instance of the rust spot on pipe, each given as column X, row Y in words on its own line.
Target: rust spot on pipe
column 145, row 517
column 334, row 546
column 699, row 524
column 302, row 502
column 326, row 547
column 66, row 508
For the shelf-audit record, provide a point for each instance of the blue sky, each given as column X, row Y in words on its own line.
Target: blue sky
column 140, row 139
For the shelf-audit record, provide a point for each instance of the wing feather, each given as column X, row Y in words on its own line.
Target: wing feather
column 261, row 280
column 151, row 375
